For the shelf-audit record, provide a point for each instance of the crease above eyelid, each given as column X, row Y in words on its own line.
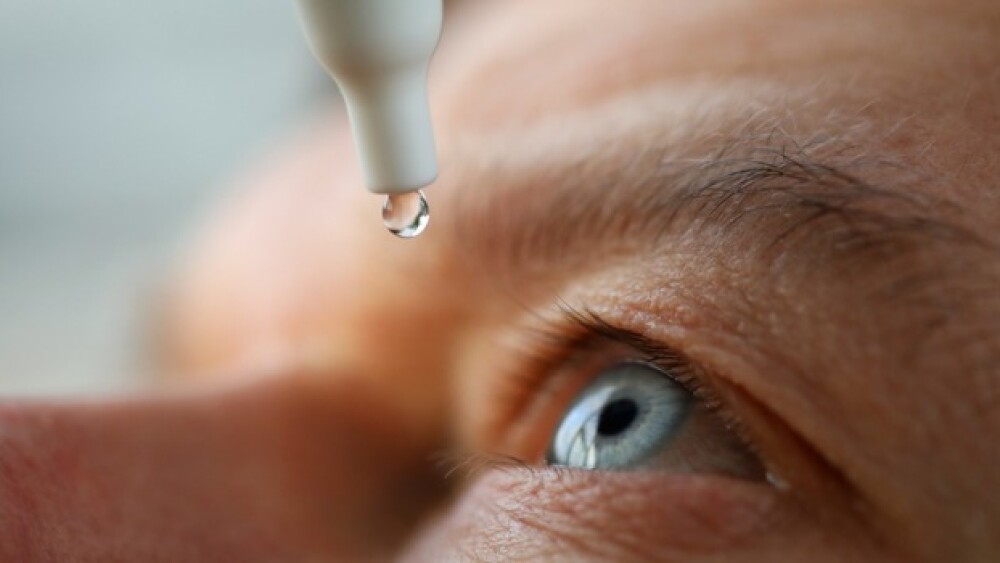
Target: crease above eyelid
column 545, row 371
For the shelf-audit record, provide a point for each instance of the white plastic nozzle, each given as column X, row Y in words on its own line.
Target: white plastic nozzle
column 378, row 52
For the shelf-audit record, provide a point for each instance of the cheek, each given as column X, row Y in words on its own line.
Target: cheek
column 547, row 514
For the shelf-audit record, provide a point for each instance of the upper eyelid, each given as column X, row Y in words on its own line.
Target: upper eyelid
column 575, row 337
column 592, row 323
column 682, row 370
column 560, row 342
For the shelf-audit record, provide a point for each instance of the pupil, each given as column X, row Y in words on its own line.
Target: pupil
column 616, row 417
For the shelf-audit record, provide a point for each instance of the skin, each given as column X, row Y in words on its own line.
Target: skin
column 854, row 350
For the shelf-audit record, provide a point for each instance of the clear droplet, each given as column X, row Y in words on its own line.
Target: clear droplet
column 406, row 215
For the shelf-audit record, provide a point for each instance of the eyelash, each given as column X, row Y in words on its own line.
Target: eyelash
column 571, row 341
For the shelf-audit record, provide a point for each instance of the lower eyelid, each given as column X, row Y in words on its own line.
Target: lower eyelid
column 619, row 515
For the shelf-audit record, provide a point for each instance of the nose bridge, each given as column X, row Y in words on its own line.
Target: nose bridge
column 401, row 321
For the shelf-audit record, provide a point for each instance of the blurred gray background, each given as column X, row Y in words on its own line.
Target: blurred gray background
column 117, row 120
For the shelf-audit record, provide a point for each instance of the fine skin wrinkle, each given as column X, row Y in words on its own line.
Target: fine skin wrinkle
column 789, row 208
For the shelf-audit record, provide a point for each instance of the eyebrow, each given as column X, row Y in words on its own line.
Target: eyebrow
column 762, row 192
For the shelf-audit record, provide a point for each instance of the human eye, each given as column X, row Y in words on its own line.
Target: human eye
column 608, row 399
column 635, row 415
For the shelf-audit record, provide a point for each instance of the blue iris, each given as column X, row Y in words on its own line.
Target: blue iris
column 621, row 420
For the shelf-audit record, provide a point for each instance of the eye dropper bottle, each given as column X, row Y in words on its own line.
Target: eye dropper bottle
column 379, row 52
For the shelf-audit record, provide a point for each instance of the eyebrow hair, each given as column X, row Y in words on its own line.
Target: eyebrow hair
column 765, row 193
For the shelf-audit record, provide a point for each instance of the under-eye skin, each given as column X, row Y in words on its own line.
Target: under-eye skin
column 634, row 415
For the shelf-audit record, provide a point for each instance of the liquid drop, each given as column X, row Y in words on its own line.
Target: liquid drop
column 406, row 215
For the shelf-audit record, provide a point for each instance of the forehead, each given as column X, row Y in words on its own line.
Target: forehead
column 507, row 68
column 540, row 56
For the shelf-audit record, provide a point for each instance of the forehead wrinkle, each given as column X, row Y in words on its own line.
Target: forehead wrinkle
column 540, row 198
